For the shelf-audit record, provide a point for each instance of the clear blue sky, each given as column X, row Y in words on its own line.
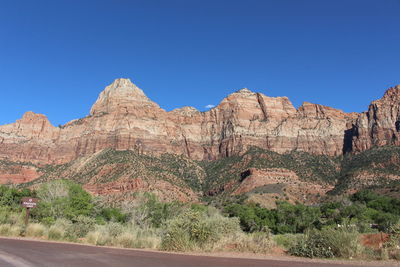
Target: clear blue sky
column 56, row 56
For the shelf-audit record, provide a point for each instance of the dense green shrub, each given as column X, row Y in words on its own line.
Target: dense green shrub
column 377, row 202
column 252, row 217
column 286, row 218
column 289, row 218
column 11, row 197
column 113, row 215
column 328, row 243
column 62, row 198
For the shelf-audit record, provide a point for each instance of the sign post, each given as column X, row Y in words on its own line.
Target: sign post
column 28, row 203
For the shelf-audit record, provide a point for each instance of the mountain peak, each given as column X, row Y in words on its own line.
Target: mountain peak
column 244, row 91
column 392, row 93
column 122, row 82
column 121, row 94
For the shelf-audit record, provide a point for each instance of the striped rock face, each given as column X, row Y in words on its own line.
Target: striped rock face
column 124, row 118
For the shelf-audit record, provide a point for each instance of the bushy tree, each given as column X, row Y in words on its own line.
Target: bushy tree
column 11, row 196
column 62, row 198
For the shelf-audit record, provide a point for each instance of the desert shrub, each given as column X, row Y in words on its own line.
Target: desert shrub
column 138, row 239
column 114, row 229
column 287, row 240
column 345, row 241
column 81, row 226
column 64, row 224
column 328, row 243
column 62, row 229
column 10, row 230
column 186, row 232
column 147, row 238
column 99, row 237
column 176, row 239
column 125, row 240
column 259, row 242
column 312, row 244
column 4, row 212
column 17, row 218
column 147, row 211
column 16, row 230
column 195, row 230
column 56, row 232
column 395, row 254
column 35, row 230
column 5, row 229
column 392, row 247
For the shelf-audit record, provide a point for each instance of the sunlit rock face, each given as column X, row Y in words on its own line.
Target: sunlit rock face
column 124, row 118
column 380, row 125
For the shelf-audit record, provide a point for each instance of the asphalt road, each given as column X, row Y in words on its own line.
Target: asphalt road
column 24, row 253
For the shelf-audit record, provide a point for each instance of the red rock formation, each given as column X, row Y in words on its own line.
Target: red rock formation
column 163, row 190
column 380, row 125
column 124, row 118
column 258, row 178
column 17, row 174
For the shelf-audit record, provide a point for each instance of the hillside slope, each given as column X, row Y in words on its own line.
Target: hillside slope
column 264, row 176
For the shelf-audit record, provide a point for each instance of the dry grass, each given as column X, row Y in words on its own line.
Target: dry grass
column 5, row 229
column 36, row 230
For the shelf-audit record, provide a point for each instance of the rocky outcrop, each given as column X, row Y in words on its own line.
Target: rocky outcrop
column 380, row 125
column 124, row 118
column 17, row 174
column 256, row 178
column 30, row 139
column 163, row 190
column 266, row 184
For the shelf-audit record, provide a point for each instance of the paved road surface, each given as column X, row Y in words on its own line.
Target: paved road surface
column 24, row 253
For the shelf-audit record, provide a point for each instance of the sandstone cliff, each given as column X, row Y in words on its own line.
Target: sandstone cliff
column 380, row 125
column 124, row 118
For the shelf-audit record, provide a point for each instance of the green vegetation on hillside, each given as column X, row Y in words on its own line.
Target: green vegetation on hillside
column 111, row 165
column 370, row 169
column 313, row 168
column 363, row 209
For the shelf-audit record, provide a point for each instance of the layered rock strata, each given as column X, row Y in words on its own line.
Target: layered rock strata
column 380, row 125
column 124, row 118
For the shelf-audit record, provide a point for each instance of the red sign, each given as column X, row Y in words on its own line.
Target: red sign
column 29, row 202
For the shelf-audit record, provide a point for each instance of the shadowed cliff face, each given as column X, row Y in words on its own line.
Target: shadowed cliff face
column 123, row 118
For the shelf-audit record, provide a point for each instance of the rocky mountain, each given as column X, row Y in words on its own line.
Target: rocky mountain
column 380, row 125
column 124, row 119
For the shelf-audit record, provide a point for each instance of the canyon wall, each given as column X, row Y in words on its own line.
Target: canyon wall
column 124, row 118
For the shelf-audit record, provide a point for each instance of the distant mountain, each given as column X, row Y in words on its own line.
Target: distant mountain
column 308, row 147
